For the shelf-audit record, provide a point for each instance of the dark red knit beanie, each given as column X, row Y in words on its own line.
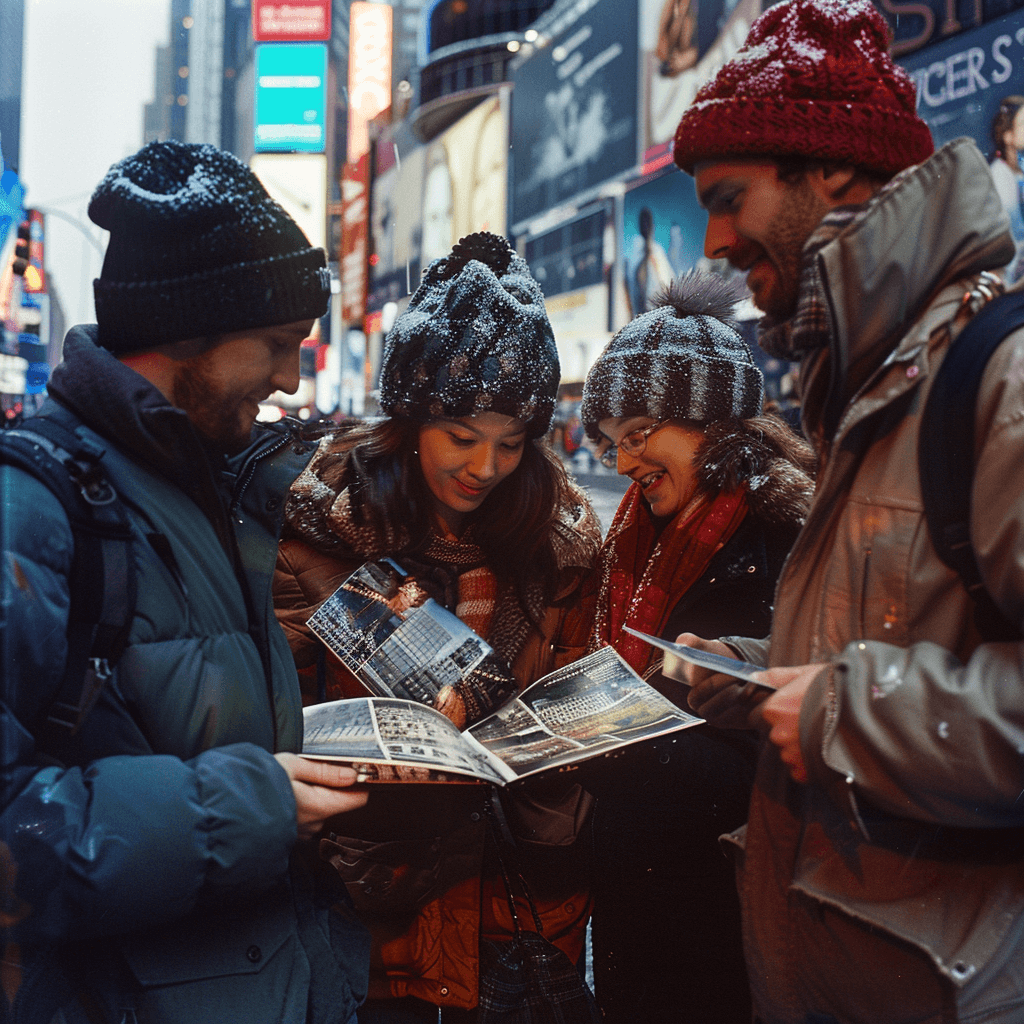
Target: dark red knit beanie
column 813, row 79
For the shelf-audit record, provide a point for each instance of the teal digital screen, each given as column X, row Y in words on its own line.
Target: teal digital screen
column 291, row 97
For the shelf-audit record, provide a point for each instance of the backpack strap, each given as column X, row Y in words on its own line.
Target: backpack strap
column 102, row 585
column 946, row 452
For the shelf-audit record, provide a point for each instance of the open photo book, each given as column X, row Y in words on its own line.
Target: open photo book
column 405, row 652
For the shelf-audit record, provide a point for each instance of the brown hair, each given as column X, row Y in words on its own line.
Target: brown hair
column 1003, row 121
column 515, row 526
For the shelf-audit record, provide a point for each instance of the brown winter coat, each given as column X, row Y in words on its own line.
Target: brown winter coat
column 426, row 846
column 892, row 885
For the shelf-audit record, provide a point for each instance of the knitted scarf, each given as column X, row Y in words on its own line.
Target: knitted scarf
column 643, row 575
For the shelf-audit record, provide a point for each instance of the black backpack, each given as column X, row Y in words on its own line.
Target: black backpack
column 102, row 584
column 946, row 452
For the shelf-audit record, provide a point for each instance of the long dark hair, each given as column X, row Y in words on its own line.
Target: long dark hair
column 514, row 527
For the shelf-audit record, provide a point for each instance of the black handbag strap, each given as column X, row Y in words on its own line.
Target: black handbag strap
column 507, row 851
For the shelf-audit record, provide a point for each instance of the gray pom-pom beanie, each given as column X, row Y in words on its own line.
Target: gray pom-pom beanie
column 682, row 360
column 197, row 247
column 474, row 338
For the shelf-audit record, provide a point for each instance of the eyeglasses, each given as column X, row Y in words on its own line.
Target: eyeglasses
column 634, row 443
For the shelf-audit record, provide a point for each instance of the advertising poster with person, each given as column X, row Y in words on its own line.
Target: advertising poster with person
column 973, row 84
column 574, row 122
column 683, row 43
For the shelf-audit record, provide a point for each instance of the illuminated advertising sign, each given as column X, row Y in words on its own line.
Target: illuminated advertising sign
column 298, row 181
column 294, row 21
column 969, row 85
column 369, row 71
column 678, row 55
column 355, row 217
column 291, row 97
column 574, row 110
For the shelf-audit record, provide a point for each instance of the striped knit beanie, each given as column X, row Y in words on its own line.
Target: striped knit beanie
column 814, row 79
column 197, row 247
column 683, row 360
column 474, row 338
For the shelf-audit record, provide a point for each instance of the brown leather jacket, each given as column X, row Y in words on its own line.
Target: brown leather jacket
column 894, row 880
column 416, row 859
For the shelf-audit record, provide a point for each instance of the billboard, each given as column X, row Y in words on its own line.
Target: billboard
column 352, row 261
column 923, row 22
column 961, row 84
column 575, row 109
column 396, row 220
column 291, row 97
column 294, row 21
column 298, row 181
column 369, row 71
column 682, row 46
column 465, row 179
column 663, row 229
column 431, row 196
column 579, row 322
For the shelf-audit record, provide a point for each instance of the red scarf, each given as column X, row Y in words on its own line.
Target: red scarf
column 644, row 575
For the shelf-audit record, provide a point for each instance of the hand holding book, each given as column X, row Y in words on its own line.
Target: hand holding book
column 591, row 707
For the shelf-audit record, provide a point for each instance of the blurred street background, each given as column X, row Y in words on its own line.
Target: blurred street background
column 390, row 130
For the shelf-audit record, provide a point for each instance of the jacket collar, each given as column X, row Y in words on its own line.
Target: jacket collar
column 941, row 223
column 125, row 408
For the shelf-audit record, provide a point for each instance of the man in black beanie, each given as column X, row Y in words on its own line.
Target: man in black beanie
column 150, row 865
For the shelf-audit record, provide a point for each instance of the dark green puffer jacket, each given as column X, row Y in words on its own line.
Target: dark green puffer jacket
column 156, row 866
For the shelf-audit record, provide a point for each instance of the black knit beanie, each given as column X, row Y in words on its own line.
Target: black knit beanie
column 474, row 338
column 197, row 247
column 682, row 360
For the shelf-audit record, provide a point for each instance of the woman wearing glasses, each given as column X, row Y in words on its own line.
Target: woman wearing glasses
column 717, row 497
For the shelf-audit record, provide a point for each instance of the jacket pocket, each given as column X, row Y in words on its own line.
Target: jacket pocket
column 229, row 941
column 396, row 877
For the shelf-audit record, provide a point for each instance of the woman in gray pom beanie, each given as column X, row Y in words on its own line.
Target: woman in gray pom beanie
column 718, row 494
column 458, row 486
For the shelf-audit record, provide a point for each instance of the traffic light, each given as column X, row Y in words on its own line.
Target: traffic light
column 21, row 248
column 28, row 252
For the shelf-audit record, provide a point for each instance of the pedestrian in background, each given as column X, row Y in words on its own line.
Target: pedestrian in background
column 880, row 871
column 460, row 488
column 718, row 494
column 150, row 864
column 1008, row 143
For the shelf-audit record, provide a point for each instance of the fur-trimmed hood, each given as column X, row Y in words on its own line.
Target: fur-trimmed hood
column 775, row 465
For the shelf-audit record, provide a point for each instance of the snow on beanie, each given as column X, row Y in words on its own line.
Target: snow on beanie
column 683, row 360
column 197, row 247
column 474, row 338
column 813, row 79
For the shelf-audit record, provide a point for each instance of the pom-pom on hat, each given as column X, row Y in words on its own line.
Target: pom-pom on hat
column 474, row 338
column 813, row 79
column 197, row 247
column 683, row 360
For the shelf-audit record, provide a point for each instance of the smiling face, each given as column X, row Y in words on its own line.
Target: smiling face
column 464, row 459
column 665, row 469
column 221, row 388
column 760, row 223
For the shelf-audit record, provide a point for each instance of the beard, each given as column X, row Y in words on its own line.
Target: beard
column 218, row 417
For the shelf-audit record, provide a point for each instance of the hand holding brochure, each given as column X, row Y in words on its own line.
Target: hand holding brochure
column 588, row 708
column 706, row 659
column 591, row 707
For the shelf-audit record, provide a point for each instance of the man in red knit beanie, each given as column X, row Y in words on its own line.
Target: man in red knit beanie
column 880, row 871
